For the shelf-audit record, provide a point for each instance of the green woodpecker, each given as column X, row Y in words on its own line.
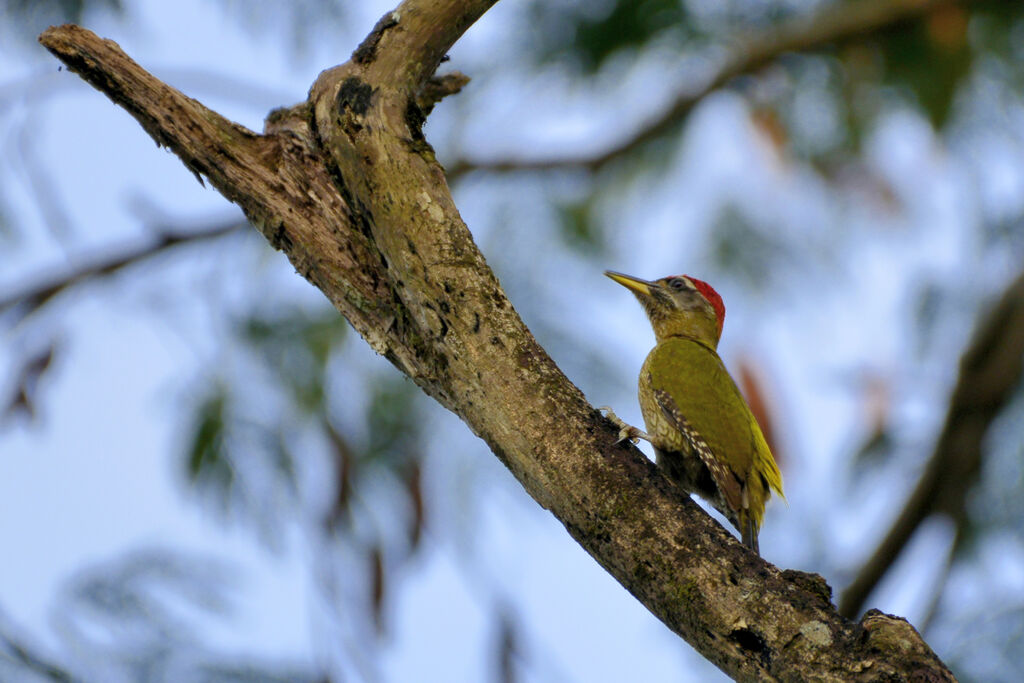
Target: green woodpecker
column 704, row 435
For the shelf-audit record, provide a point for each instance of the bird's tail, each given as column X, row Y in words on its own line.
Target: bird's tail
column 749, row 532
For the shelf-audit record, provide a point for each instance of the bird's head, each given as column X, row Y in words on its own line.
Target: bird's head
column 678, row 306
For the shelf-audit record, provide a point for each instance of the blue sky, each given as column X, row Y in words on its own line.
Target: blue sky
column 97, row 476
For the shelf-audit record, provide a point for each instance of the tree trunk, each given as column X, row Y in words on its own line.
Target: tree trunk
column 347, row 187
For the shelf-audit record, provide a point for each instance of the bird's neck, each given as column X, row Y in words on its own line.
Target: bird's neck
column 701, row 330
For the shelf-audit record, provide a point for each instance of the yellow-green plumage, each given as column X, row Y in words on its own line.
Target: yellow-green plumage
column 704, row 434
column 693, row 375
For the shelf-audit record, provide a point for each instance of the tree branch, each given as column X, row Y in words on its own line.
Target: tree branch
column 24, row 657
column 346, row 185
column 439, row 87
column 990, row 370
column 837, row 23
column 110, row 259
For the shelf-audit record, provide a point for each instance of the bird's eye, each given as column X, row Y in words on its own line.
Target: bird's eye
column 677, row 283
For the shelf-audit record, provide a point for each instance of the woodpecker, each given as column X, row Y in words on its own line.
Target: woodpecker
column 705, row 437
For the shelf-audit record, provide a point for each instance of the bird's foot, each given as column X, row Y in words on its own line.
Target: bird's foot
column 626, row 431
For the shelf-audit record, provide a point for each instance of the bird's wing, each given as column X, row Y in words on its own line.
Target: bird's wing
column 730, row 487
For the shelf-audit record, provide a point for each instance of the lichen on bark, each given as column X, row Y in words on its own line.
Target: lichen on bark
column 345, row 185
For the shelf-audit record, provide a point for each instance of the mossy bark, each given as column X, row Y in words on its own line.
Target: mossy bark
column 346, row 186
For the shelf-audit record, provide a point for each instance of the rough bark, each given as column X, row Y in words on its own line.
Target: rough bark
column 346, row 186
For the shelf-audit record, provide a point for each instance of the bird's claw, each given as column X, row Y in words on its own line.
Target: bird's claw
column 626, row 431
column 629, row 433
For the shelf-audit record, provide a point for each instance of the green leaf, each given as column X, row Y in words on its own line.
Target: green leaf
column 591, row 32
column 930, row 59
column 577, row 227
column 739, row 247
column 207, row 456
column 296, row 347
column 628, row 24
column 393, row 421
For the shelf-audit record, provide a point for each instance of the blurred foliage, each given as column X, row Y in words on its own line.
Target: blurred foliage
column 997, row 505
column 46, row 12
column 7, row 232
column 929, row 59
column 207, row 457
column 134, row 593
column 22, row 22
column 141, row 617
column 28, row 374
column 577, row 226
column 236, row 452
column 22, row 662
column 818, row 108
column 930, row 302
column 746, row 249
column 1007, row 232
column 873, row 453
column 589, row 33
column 245, row 454
column 819, row 104
column 262, row 414
column 988, row 645
column 296, row 347
column 300, row 21
column 392, row 421
column 995, row 29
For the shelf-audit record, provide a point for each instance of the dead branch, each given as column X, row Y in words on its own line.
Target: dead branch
column 347, row 187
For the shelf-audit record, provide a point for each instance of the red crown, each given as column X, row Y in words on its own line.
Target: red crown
column 709, row 293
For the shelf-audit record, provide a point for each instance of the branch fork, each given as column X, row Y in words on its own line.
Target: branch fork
column 347, row 187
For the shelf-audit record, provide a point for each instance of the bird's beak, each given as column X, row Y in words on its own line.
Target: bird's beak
column 631, row 283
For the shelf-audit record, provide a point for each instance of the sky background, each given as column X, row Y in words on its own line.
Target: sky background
column 97, row 477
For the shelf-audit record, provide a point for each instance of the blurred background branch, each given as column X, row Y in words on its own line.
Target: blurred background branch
column 17, row 657
column 848, row 174
column 41, row 288
column 747, row 52
column 990, row 372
